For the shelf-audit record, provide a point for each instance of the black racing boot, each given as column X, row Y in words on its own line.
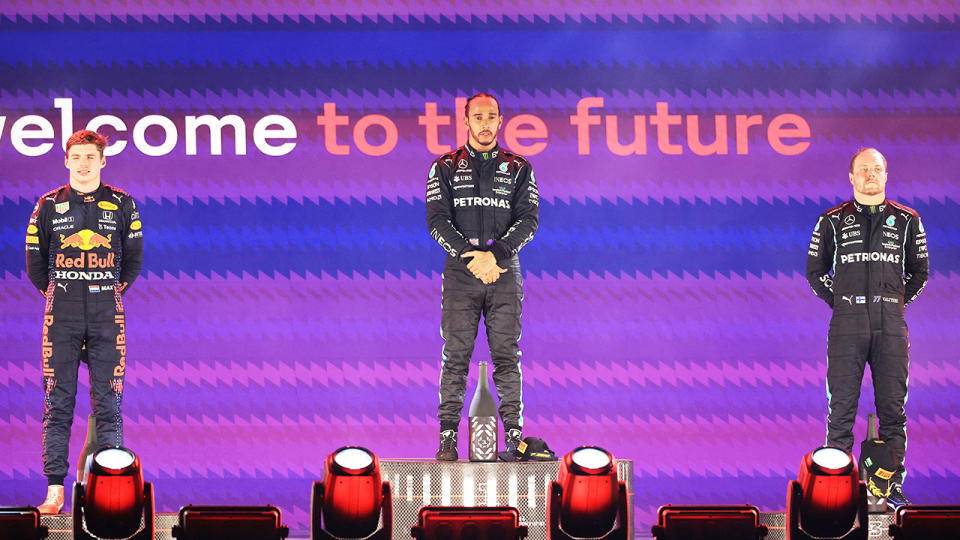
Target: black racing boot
column 448, row 446
column 896, row 498
column 513, row 440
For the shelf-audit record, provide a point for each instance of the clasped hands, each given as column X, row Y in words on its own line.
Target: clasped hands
column 484, row 266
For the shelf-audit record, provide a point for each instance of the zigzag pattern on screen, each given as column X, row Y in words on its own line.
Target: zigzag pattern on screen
column 247, row 237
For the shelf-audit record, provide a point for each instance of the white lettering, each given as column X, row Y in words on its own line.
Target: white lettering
column 116, row 123
column 169, row 140
column 87, row 276
column 481, row 201
column 66, row 119
column 263, row 130
column 19, row 133
column 191, row 123
column 870, row 257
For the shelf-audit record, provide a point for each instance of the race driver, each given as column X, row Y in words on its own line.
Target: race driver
column 867, row 260
column 84, row 248
column 482, row 206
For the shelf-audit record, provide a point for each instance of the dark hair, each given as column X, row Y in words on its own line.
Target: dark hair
column 466, row 108
column 862, row 150
column 85, row 136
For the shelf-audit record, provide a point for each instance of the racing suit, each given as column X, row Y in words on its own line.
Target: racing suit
column 481, row 201
column 867, row 263
column 83, row 250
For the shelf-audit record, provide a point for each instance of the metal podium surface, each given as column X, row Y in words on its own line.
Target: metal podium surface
column 524, row 485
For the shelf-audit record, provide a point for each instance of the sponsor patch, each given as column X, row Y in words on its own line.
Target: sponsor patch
column 62, row 207
column 136, row 225
column 891, row 220
column 33, row 240
column 107, row 205
column 882, row 473
column 32, row 229
column 85, row 240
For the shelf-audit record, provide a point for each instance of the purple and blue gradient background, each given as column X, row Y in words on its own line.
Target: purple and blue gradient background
column 289, row 305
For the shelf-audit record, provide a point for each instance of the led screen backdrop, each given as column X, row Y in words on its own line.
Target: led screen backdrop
column 290, row 299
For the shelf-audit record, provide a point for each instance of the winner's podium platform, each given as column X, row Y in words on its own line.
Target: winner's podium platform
column 523, row 485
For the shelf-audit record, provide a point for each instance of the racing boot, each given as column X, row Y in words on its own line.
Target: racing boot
column 54, row 502
column 448, row 446
column 896, row 498
column 513, row 440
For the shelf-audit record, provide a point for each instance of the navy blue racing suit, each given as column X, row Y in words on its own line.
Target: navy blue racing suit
column 83, row 251
column 481, row 201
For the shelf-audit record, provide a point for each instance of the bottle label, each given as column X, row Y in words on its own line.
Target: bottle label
column 483, row 438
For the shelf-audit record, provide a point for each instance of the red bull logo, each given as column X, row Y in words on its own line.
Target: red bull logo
column 85, row 240
column 84, row 260
column 47, row 346
column 119, row 370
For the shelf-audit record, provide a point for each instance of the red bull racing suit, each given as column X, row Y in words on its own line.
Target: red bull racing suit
column 83, row 250
column 868, row 263
column 481, row 201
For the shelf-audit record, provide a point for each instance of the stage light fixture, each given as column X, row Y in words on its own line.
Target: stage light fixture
column 113, row 501
column 21, row 523
column 926, row 523
column 587, row 500
column 351, row 501
column 828, row 500
column 468, row 522
column 709, row 523
column 229, row 523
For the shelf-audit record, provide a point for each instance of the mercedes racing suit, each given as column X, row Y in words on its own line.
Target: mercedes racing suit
column 83, row 250
column 481, row 201
column 867, row 263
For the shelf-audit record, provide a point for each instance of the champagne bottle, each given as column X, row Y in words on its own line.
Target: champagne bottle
column 483, row 421
column 89, row 447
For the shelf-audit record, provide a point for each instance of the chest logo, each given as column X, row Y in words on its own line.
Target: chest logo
column 850, row 219
column 107, row 205
column 85, row 240
column 62, row 207
column 462, row 165
column 891, row 220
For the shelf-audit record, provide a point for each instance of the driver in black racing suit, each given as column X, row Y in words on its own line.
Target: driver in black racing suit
column 482, row 208
column 867, row 260
column 84, row 247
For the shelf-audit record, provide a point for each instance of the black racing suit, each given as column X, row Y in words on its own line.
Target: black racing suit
column 83, row 250
column 481, row 201
column 878, row 258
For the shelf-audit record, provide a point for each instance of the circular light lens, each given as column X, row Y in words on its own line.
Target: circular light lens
column 591, row 458
column 114, row 458
column 831, row 458
column 353, row 459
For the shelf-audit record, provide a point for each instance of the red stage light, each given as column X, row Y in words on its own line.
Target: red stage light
column 351, row 499
column 21, row 523
column 229, row 523
column 587, row 500
column 926, row 523
column 827, row 500
column 709, row 523
column 468, row 523
column 113, row 499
